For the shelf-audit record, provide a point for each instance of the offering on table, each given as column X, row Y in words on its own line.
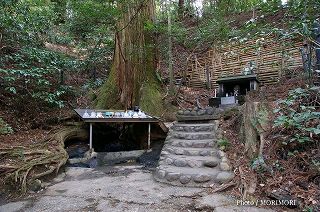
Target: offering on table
column 130, row 113
column 93, row 114
column 135, row 115
column 126, row 115
column 86, row 114
column 99, row 115
column 108, row 114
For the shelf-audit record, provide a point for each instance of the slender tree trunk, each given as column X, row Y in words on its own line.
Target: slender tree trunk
column 181, row 8
column 171, row 88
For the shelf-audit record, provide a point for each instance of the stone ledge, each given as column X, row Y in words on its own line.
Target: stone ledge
column 197, row 118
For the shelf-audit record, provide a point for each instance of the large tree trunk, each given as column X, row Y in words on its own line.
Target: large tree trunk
column 130, row 59
column 132, row 80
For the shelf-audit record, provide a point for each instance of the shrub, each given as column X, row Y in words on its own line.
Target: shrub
column 298, row 116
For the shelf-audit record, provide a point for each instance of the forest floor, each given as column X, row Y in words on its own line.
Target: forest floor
column 122, row 188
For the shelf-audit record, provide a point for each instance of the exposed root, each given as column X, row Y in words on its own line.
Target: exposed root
column 20, row 166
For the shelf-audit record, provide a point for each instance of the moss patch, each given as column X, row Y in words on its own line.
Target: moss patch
column 151, row 99
column 108, row 96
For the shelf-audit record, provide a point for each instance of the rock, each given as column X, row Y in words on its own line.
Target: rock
column 183, row 144
column 224, row 159
column 172, row 176
column 169, row 150
column 205, row 153
column 193, row 164
column 179, row 152
column 187, row 112
column 201, row 112
column 218, row 111
column 45, row 184
column 214, row 153
column 187, row 129
column 177, row 135
column 161, row 174
column 211, row 163
column 197, row 129
column 184, row 179
column 168, row 161
column 207, row 136
column 209, row 110
column 164, row 153
column 221, row 153
column 35, row 185
column 75, row 160
column 201, row 178
column 180, row 163
column 199, row 145
column 211, row 144
column 196, row 136
column 224, row 177
column 161, row 162
column 178, row 128
column 193, row 113
column 196, row 109
column 180, row 112
column 188, row 144
column 191, row 153
column 92, row 163
column 224, row 166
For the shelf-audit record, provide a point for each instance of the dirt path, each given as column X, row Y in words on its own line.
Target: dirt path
column 120, row 188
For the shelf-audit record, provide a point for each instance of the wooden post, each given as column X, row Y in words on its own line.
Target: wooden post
column 208, row 78
column 90, row 136
column 149, row 135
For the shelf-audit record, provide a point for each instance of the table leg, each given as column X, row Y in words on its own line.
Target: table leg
column 149, row 132
column 90, row 135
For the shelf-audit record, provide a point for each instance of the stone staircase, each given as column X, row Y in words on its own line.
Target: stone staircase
column 190, row 156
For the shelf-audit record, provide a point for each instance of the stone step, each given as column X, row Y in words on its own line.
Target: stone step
column 193, row 135
column 205, row 127
column 191, row 143
column 195, row 177
column 167, row 149
column 189, row 161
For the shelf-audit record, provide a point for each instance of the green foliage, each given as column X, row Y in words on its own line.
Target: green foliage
column 298, row 116
column 4, row 128
column 35, row 73
column 90, row 17
column 25, row 21
column 223, row 143
column 259, row 164
column 278, row 165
